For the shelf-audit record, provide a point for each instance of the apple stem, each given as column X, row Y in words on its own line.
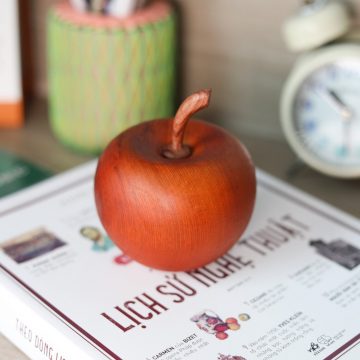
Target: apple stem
column 191, row 105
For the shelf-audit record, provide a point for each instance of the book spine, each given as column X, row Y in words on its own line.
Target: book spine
column 11, row 101
column 31, row 332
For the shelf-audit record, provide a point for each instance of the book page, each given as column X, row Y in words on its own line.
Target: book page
column 288, row 289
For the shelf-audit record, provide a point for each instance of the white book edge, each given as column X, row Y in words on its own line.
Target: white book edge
column 37, row 332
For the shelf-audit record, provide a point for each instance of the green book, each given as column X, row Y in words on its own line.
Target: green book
column 17, row 173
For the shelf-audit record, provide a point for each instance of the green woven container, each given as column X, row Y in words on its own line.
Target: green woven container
column 107, row 75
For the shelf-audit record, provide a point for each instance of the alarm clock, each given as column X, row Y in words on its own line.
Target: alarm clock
column 320, row 102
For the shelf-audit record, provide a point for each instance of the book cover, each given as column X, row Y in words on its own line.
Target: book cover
column 288, row 289
column 17, row 173
column 11, row 98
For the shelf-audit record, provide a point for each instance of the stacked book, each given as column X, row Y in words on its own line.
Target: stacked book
column 288, row 289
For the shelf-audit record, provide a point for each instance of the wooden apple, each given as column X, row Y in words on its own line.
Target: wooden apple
column 171, row 199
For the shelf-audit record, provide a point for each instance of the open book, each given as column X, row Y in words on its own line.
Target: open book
column 288, row 289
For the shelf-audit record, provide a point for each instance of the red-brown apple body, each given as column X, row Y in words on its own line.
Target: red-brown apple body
column 175, row 213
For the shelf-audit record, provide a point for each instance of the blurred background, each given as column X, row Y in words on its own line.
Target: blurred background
column 233, row 46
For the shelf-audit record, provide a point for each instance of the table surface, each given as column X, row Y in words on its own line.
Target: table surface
column 36, row 143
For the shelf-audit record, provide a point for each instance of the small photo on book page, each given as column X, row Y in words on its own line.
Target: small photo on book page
column 31, row 245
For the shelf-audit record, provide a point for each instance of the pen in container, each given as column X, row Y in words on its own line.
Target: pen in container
column 117, row 8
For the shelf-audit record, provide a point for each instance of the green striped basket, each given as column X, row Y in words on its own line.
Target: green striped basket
column 104, row 79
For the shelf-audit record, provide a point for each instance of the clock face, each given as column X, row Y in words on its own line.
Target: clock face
column 326, row 113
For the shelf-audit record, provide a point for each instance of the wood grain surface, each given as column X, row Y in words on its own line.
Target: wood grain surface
column 176, row 213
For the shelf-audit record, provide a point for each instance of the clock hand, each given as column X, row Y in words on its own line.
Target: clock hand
column 346, row 136
column 347, row 117
column 334, row 100
column 344, row 109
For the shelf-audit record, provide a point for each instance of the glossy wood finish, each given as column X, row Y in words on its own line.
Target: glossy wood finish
column 175, row 212
column 191, row 105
